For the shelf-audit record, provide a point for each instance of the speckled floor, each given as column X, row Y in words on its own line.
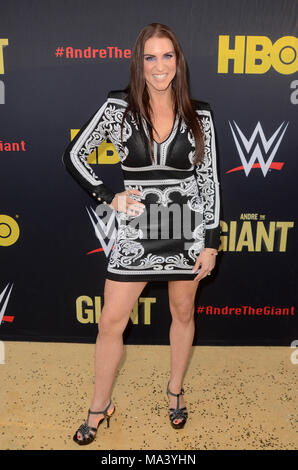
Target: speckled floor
column 237, row 398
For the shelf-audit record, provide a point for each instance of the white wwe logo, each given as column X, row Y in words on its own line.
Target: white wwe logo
column 270, row 147
column 103, row 230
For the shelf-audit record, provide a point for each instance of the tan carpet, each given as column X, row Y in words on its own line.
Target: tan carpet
column 237, row 398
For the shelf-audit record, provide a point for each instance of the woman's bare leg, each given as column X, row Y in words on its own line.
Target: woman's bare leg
column 119, row 300
column 181, row 300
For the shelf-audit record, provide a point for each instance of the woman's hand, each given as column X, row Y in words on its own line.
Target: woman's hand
column 123, row 203
column 206, row 259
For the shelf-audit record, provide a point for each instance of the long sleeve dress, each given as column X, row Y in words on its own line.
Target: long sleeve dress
column 182, row 201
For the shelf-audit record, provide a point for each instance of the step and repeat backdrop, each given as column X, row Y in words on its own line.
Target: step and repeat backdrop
column 58, row 61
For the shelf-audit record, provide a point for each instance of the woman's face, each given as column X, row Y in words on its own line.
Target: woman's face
column 159, row 63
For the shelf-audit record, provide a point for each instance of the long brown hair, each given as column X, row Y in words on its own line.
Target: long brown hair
column 138, row 97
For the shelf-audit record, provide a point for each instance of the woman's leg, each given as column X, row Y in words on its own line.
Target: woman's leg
column 181, row 300
column 119, row 300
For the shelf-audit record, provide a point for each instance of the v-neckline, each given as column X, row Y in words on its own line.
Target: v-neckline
column 170, row 134
column 172, row 130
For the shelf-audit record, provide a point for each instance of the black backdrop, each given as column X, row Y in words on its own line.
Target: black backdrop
column 51, row 285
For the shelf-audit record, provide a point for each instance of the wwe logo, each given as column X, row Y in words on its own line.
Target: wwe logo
column 257, row 146
column 4, row 305
column 103, row 230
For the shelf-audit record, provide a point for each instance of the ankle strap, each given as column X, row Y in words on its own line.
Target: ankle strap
column 98, row 412
column 175, row 394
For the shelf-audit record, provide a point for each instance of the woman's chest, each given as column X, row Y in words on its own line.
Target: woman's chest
column 175, row 151
column 162, row 126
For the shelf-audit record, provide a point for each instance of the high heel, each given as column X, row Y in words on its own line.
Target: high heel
column 85, row 430
column 177, row 413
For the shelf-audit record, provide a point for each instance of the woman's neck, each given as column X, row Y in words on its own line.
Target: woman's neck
column 161, row 100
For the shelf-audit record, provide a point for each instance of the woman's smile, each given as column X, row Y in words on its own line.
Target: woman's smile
column 160, row 77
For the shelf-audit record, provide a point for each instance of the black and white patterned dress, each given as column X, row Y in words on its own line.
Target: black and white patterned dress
column 182, row 201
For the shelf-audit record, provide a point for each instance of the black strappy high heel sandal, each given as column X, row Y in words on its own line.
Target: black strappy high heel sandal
column 177, row 413
column 85, row 430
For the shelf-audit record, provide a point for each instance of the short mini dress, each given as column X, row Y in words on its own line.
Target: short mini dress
column 181, row 199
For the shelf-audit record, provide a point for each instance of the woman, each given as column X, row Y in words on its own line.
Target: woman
column 166, row 145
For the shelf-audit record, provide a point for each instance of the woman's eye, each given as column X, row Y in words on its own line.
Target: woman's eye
column 150, row 58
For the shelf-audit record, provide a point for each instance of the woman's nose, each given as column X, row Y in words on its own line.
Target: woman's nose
column 160, row 66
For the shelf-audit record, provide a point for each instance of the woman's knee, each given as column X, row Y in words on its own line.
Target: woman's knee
column 112, row 322
column 182, row 311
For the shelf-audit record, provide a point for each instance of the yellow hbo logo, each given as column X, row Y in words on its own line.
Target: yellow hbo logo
column 9, row 230
column 256, row 54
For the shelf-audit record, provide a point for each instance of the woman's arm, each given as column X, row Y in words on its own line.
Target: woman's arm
column 90, row 136
column 207, row 179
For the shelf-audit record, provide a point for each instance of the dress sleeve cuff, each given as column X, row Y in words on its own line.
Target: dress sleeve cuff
column 212, row 237
column 102, row 194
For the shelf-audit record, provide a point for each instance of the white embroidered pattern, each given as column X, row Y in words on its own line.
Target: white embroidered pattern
column 199, row 244
column 128, row 251
column 109, row 125
column 205, row 171
column 186, row 187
